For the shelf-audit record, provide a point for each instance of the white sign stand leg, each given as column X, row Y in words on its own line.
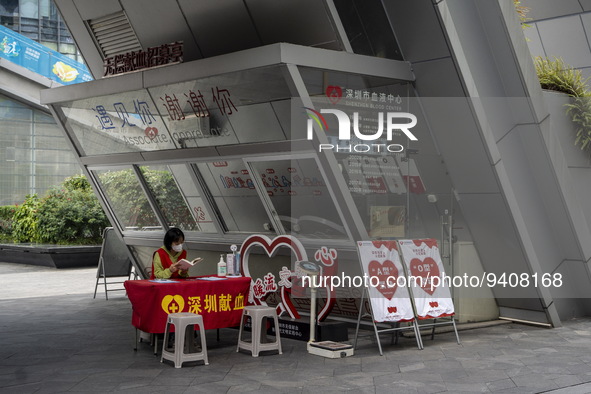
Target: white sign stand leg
column 377, row 331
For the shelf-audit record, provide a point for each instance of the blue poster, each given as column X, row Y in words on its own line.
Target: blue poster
column 40, row 59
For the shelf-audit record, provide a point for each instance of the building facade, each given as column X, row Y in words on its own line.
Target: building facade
column 40, row 21
column 34, row 153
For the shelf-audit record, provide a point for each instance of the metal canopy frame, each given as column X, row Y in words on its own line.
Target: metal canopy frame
column 293, row 57
column 269, row 55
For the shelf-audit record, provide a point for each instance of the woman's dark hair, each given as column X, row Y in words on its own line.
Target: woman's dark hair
column 172, row 235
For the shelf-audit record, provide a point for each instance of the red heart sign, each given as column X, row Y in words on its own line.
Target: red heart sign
column 271, row 246
column 334, row 93
column 426, row 270
column 151, row 132
column 390, row 245
column 382, row 272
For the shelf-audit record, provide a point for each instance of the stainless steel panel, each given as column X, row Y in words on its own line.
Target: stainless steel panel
column 497, row 242
column 347, row 62
column 120, row 158
column 565, row 38
column 265, row 147
column 282, row 111
column 538, row 196
column 582, row 189
column 84, row 42
column 100, row 87
column 586, row 19
column 417, row 30
column 244, row 62
column 256, row 123
column 303, row 22
column 239, row 61
column 534, row 41
column 220, row 26
column 91, row 9
column 586, row 4
column 575, row 281
column 586, row 72
column 161, row 22
column 569, row 308
column 543, row 9
column 523, row 315
column 461, row 145
column 438, row 78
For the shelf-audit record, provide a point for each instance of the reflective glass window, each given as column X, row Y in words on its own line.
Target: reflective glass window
column 33, row 151
column 177, row 197
column 233, row 191
column 127, row 199
column 300, row 196
column 242, row 107
column 370, row 143
column 125, row 122
column 29, row 8
column 225, row 109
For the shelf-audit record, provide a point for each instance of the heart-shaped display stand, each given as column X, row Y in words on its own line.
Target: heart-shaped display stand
column 271, row 246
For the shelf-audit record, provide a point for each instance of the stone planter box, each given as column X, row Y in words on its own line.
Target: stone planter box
column 57, row 256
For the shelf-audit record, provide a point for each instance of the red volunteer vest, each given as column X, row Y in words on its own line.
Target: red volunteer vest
column 166, row 261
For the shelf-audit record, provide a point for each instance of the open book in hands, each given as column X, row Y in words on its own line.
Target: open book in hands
column 184, row 264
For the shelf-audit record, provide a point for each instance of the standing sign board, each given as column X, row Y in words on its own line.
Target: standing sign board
column 381, row 263
column 389, row 297
column 114, row 262
column 431, row 292
column 406, row 284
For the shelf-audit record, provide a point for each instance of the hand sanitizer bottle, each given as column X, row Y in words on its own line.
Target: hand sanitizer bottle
column 222, row 266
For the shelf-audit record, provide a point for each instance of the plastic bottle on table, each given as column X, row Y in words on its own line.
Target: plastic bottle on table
column 222, row 266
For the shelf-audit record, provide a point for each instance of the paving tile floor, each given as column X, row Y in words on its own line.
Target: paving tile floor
column 55, row 338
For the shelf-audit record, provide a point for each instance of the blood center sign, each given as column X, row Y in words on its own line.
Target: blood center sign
column 390, row 302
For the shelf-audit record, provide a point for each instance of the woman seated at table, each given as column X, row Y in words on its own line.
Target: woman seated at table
column 165, row 261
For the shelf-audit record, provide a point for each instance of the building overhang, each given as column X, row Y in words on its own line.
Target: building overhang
column 269, row 55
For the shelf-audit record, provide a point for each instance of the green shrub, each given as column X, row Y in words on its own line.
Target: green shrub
column 70, row 217
column 6, row 217
column 24, row 225
column 580, row 112
column 66, row 215
column 77, row 182
column 556, row 75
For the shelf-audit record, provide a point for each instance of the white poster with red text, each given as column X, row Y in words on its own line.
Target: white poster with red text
column 390, row 299
column 425, row 274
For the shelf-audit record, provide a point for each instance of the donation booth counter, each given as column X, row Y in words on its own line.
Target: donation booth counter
column 219, row 300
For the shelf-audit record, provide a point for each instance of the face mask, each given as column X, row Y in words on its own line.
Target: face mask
column 177, row 248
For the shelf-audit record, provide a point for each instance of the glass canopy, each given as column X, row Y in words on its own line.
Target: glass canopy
column 262, row 150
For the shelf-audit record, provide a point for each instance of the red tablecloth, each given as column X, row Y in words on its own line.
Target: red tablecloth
column 220, row 302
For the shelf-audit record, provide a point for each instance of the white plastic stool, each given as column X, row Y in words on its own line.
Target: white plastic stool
column 181, row 321
column 257, row 313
